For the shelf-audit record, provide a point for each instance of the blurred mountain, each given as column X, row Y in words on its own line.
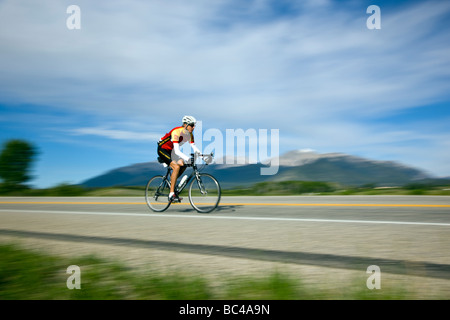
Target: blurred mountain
column 301, row 165
column 345, row 169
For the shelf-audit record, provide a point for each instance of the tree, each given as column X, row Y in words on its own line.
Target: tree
column 15, row 163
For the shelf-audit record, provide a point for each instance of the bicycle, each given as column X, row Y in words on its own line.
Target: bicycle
column 204, row 190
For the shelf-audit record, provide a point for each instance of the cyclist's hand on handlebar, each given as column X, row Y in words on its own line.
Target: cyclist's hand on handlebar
column 187, row 161
column 208, row 159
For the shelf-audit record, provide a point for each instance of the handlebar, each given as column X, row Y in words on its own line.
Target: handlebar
column 194, row 156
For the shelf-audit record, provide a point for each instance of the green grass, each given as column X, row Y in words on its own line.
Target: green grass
column 326, row 188
column 259, row 189
column 284, row 188
column 28, row 275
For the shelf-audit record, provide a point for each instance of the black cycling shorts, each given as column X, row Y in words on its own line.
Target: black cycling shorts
column 164, row 156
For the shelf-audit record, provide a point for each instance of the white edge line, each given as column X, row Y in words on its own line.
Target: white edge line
column 205, row 216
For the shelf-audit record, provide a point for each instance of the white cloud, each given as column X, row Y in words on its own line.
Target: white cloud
column 163, row 54
column 319, row 75
column 116, row 134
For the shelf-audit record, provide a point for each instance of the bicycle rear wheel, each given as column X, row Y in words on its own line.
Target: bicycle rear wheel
column 157, row 194
column 204, row 193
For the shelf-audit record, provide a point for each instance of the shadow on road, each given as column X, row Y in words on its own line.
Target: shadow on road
column 219, row 209
column 411, row 268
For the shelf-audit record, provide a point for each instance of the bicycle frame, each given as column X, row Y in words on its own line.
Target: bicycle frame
column 204, row 198
column 195, row 173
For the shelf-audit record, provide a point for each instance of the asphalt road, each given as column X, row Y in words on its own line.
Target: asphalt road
column 320, row 238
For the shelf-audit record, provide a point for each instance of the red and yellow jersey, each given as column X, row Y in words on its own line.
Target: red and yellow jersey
column 176, row 135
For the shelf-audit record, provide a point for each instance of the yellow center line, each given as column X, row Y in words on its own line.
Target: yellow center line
column 66, row 202
column 244, row 204
column 342, row 204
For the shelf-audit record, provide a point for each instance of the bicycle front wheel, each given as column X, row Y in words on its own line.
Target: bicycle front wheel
column 157, row 194
column 204, row 193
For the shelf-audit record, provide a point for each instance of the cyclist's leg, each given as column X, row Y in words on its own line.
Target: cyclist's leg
column 175, row 172
column 182, row 168
column 178, row 168
column 166, row 157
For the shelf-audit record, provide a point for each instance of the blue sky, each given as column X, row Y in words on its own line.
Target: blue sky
column 99, row 97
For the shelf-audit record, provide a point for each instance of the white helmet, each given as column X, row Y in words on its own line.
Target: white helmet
column 189, row 120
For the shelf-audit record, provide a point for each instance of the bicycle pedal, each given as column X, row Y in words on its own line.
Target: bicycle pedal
column 176, row 200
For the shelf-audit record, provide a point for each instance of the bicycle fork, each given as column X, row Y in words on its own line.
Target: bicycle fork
column 200, row 185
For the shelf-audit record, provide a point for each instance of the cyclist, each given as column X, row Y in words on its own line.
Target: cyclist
column 169, row 151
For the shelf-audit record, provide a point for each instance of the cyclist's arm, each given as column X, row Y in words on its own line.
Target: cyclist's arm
column 176, row 148
column 194, row 147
